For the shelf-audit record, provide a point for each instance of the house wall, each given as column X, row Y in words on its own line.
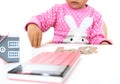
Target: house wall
column 10, row 49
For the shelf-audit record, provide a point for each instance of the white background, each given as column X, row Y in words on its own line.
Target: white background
column 14, row 14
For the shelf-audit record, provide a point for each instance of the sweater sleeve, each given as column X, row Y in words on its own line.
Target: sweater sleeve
column 97, row 34
column 44, row 20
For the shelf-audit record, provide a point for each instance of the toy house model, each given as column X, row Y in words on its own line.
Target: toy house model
column 9, row 48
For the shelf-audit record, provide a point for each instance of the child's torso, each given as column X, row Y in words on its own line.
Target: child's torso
column 69, row 23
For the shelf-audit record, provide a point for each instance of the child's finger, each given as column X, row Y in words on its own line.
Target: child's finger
column 35, row 41
column 39, row 39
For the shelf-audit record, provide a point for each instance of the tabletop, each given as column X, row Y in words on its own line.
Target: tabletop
column 102, row 67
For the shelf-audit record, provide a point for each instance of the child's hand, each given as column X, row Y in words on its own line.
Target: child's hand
column 35, row 35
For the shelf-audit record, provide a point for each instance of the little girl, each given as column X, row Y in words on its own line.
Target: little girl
column 73, row 22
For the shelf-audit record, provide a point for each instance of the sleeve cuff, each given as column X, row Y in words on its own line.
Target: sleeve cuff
column 106, row 41
column 28, row 24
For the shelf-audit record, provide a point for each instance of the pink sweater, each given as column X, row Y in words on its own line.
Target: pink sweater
column 69, row 26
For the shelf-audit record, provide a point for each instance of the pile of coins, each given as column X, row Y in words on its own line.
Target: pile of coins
column 82, row 50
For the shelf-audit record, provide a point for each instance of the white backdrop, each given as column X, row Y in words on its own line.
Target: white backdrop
column 15, row 13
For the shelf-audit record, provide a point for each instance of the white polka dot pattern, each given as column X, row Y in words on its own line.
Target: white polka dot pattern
column 55, row 18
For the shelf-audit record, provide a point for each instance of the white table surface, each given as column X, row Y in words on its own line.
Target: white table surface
column 102, row 67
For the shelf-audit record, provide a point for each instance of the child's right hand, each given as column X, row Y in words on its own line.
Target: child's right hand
column 35, row 35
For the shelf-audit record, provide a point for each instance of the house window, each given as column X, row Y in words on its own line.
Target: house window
column 13, row 54
column 2, row 49
column 13, row 44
